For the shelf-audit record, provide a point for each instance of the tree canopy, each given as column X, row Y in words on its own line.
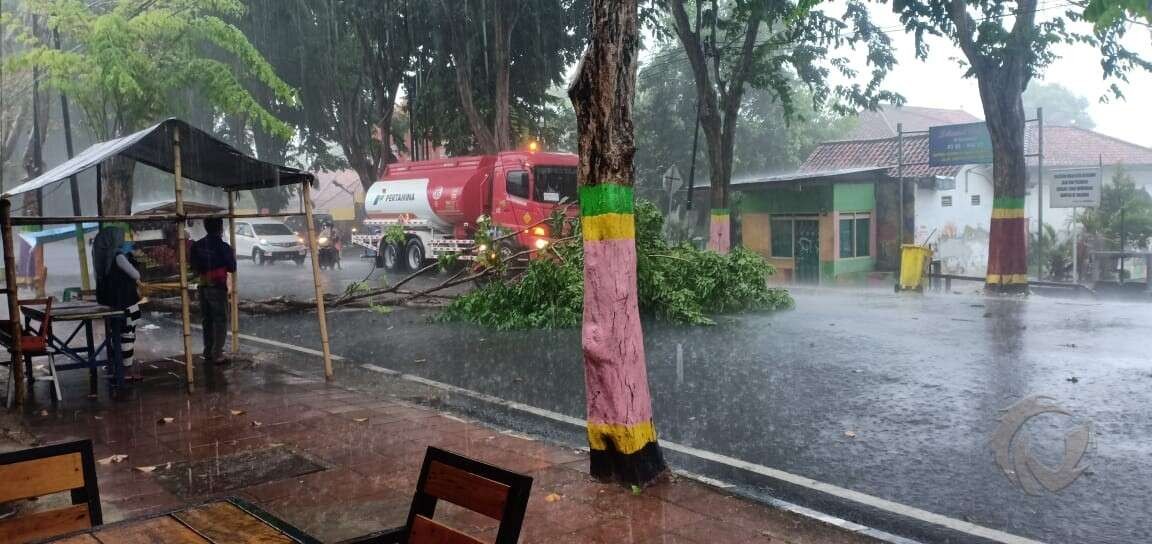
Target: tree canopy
column 1061, row 106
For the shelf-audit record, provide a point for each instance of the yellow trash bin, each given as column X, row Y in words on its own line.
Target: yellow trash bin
column 913, row 263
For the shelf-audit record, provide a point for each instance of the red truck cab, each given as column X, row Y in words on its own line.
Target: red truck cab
column 526, row 188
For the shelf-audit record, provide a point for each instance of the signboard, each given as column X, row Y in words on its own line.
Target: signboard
column 955, row 145
column 1076, row 188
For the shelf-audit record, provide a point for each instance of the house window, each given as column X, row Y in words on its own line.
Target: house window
column 855, row 235
column 975, row 200
column 782, row 237
column 946, row 201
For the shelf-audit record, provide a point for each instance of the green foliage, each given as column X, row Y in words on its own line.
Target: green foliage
column 127, row 64
column 1125, row 212
column 679, row 284
column 1061, row 106
column 1107, row 12
column 395, row 235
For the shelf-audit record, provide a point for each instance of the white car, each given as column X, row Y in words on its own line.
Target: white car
column 268, row 240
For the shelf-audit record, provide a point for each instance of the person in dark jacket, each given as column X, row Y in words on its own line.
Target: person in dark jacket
column 118, row 285
column 212, row 260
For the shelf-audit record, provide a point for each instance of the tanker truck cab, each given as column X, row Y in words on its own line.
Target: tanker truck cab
column 437, row 203
column 528, row 186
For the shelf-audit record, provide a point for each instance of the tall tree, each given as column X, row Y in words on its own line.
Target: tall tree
column 1061, row 106
column 767, row 44
column 503, row 56
column 621, row 435
column 126, row 63
column 1005, row 46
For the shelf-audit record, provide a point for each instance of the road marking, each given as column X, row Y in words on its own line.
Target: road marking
column 282, row 345
column 794, row 479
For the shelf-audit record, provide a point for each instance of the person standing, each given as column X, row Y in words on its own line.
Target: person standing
column 118, row 286
column 212, row 260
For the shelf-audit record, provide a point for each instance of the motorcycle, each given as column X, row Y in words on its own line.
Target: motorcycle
column 327, row 253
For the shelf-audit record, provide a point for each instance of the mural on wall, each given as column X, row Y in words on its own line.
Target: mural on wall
column 961, row 250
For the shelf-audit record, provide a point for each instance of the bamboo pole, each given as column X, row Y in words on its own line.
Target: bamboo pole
column 321, row 318
column 12, row 289
column 234, row 293
column 182, row 251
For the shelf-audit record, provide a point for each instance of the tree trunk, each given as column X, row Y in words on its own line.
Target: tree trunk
column 117, row 186
column 462, row 62
column 621, row 434
column 1008, row 237
column 502, row 34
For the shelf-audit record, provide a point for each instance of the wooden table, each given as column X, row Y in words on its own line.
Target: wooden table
column 231, row 521
column 83, row 314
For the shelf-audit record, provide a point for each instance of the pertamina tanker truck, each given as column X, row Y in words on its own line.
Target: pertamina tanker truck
column 438, row 203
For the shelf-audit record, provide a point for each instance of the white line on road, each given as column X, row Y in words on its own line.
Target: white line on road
column 794, row 479
column 291, row 347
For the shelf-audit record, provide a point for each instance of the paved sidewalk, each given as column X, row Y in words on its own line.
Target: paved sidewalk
column 338, row 463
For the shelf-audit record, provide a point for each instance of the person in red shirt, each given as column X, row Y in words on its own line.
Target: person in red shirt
column 212, row 260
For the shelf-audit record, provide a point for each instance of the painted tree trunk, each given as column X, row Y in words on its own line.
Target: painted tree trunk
column 621, row 434
column 1008, row 237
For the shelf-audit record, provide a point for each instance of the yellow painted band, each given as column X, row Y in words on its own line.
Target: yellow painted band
column 1007, row 213
column 1007, row 279
column 609, row 226
column 624, row 438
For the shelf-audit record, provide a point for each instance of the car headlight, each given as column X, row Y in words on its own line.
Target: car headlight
column 540, row 231
column 323, row 240
column 263, row 241
column 299, row 240
column 483, row 247
column 541, row 243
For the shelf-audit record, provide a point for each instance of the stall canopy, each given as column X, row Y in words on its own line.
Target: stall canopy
column 205, row 159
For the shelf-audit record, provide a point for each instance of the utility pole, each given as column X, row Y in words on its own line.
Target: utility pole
column 1040, row 194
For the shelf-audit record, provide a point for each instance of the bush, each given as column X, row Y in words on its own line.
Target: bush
column 679, row 284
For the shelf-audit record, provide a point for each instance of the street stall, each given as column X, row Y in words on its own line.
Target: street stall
column 187, row 153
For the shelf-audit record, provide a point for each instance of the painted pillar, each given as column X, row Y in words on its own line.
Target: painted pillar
column 1007, row 255
column 720, row 231
column 621, row 435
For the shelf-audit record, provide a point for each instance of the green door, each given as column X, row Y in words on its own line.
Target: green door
column 807, row 244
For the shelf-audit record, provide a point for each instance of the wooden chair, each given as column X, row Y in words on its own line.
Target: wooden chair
column 482, row 488
column 42, row 471
column 34, row 343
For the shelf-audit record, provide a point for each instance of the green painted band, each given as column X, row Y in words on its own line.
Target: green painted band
column 606, row 198
column 719, row 211
column 1008, row 202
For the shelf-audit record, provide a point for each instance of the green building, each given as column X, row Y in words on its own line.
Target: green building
column 823, row 227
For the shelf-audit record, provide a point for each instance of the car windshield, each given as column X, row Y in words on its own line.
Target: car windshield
column 272, row 229
column 555, row 183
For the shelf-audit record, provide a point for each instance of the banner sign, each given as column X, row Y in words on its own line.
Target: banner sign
column 1076, row 188
column 955, row 145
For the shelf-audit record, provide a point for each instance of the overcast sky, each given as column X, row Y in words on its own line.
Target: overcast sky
column 939, row 82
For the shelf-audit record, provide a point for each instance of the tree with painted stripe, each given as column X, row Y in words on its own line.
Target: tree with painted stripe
column 621, row 434
column 1006, row 44
column 774, row 45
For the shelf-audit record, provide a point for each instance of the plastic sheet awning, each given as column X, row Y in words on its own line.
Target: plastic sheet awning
column 203, row 158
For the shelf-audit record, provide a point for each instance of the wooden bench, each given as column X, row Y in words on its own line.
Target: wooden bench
column 42, row 471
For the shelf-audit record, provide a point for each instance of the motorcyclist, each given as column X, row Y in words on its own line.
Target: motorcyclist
column 330, row 231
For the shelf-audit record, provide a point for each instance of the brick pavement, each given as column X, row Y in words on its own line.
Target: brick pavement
column 370, row 448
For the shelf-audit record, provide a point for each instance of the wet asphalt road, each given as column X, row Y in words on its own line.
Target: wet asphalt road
column 894, row 396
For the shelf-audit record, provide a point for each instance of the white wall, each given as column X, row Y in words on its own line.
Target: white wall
column 961, row 230
column 959, row 233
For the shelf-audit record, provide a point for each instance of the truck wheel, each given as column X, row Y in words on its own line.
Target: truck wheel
column 390, row 257
column 414, row 254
